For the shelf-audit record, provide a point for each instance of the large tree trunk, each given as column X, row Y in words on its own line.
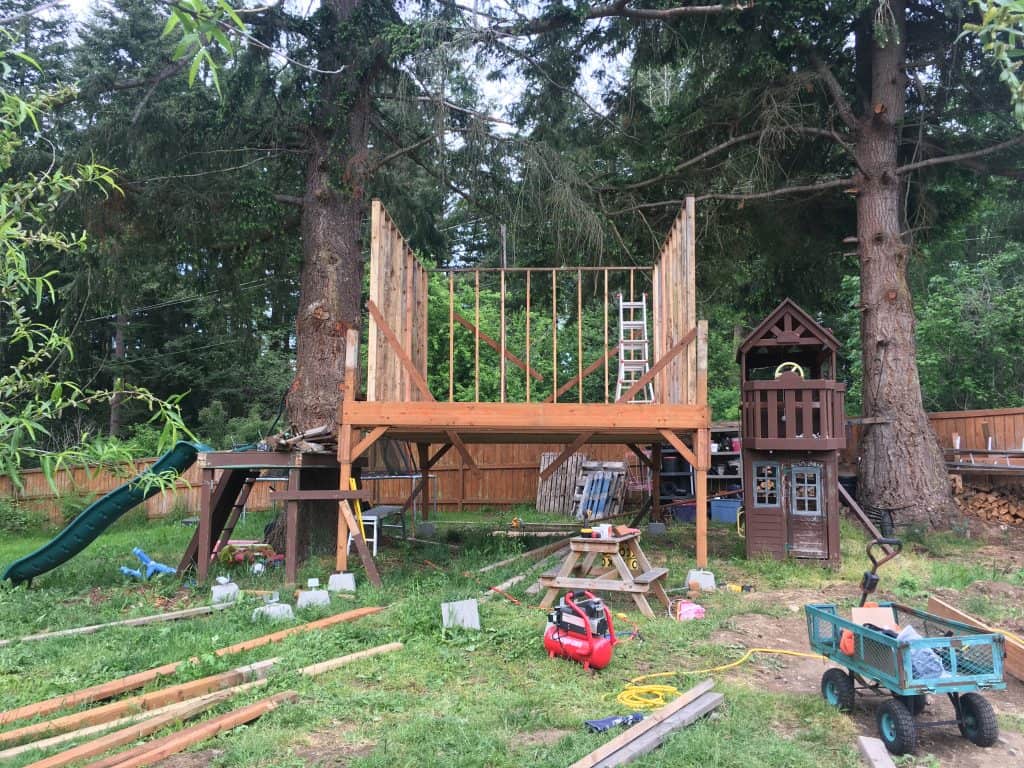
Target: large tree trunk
column 902, row 467
column 330, row 290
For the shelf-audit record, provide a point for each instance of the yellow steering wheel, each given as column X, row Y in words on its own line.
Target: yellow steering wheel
column 789, row 367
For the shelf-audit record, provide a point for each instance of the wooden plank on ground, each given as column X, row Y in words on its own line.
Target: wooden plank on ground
column 331, row 664
column 1014, row 661
column 132, row 682
column 660, row 733
column 874, row 752
column 187, row 613
column 146, row 701
column 133, row 733
column 135, row 717
column 631, row 734
column 533, row 554
column 153, row 752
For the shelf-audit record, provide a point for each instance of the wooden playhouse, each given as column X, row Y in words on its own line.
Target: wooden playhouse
column 792, row 430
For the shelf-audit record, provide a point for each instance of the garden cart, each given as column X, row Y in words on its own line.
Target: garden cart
column 916, row 655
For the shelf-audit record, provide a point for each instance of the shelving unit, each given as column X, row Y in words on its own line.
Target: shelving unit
column 676, row 478
column 726, row 473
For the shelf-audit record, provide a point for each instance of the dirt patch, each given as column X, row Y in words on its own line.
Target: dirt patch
column 97, row 597
column 333, row 749
column 540, row 738
column 200, row 759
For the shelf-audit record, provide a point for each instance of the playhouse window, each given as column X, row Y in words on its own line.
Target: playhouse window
column 807, row 491
column 766, row 484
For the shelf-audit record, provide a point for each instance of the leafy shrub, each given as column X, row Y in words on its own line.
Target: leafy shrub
column 14, row 518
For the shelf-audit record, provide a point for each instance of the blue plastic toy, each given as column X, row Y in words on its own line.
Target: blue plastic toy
column 152, row 567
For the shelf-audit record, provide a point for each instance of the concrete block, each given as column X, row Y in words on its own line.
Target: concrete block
column 656, row 529
column 341, row 582
column 463, row 613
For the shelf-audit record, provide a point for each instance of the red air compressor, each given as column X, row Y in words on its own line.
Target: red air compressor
column 581, row 630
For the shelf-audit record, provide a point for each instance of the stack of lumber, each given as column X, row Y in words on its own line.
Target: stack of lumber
column 600, row 490
column 555, row 494
column 654, row 730
column 995, row 506
column 148, row 713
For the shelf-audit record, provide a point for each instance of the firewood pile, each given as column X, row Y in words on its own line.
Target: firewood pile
column 995, row 505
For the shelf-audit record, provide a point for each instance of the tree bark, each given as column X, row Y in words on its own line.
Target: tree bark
column 114, row 427
column 331, row 279
column 902, row 467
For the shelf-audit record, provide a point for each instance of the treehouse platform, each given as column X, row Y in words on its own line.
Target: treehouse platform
column 462, row 356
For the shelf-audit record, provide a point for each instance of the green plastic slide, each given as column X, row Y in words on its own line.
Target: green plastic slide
column 99, row 515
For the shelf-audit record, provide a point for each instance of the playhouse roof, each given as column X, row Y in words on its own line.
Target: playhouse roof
column 788, row 326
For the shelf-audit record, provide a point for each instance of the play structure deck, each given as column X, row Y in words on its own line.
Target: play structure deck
column 536, row 378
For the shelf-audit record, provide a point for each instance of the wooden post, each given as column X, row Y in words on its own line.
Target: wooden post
column 579, row 334
column 476, row 334
column 528, row 273
column 554, row 334
column 423, row 449
column 451, row 337
column 501, row 354
column 291, row 531
column 703, row 451
column 203, row 552
column 606, row 334
column 656, row 482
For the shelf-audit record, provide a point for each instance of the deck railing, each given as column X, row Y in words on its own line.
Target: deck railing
column 790, row 413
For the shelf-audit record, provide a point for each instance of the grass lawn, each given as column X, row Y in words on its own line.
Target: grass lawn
column 488, row 698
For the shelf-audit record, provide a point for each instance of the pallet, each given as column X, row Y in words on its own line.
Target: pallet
column 600, row 490
column 555, row 494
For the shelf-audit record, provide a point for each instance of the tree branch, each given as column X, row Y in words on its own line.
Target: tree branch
column 31, row 12
column 835, row 92
column 820, row 186
column 962, row 157
column 290, row 200
column 805, row 130
column 564, row 18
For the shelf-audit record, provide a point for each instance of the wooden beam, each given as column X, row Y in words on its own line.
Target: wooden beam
column 139, row 679
column 563, row 457
column 161, row 749
column 684, row 450
column 424, row 478
column 313, row 670
column 364, row 445
column 1014, row 645
column 140, row 730
column 533, row 554
column 417, row 378
column 864, row 520
column 403, row 354
column 320, row 495
column 275, row 637
column 152, row 700
column 187, row 613
column 644, row 459
column 632, row 734
column 655, row 369
column 610, row 353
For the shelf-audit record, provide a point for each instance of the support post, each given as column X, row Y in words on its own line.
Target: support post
column 703, row 451
column 291, row 530
column 204, row 550
column 424, row 459
column 656, row 513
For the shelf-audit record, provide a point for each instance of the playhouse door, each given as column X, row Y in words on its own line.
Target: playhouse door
column 808, row 531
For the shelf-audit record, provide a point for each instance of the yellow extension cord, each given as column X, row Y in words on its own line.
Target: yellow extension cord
column 636, row 696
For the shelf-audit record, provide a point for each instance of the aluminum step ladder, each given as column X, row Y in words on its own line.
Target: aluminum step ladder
column 634, row 350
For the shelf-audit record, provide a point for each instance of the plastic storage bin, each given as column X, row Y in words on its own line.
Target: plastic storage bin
column 725, row 510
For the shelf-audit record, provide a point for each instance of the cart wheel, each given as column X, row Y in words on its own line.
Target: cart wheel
column 978, row 720
column 837, row 689
column 915, row 704
column 897, row 728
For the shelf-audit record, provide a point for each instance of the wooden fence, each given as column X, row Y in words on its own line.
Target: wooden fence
column 507, row 474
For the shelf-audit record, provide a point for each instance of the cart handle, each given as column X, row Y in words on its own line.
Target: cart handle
column 876, row 562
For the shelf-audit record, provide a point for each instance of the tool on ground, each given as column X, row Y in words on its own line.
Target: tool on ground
column 580, row 628
column 607, row 723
